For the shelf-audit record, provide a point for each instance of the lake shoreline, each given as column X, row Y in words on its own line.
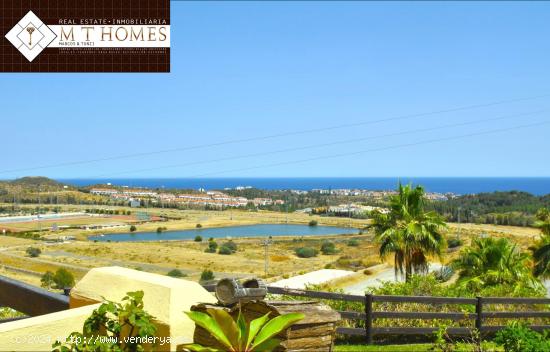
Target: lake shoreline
column 239, row 231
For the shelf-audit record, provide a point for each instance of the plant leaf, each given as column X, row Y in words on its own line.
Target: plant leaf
column 209, row 324
column 275, row 326
column 243, row 333
column 255, row 326
column 267, row 346
column 198, row 348
column 227, row 324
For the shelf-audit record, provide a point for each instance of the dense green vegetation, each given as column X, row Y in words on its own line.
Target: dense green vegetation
column 491, row 262
column 500, row 208
column 519, row 338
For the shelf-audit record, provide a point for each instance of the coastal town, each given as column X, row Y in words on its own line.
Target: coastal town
column 218, row 199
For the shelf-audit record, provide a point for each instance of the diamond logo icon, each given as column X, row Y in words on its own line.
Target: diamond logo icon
column 30, row 36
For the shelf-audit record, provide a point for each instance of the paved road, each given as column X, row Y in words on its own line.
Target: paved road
column 377, row 279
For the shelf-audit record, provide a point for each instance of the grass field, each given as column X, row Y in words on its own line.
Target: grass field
column 8, row 241
column 190, row 256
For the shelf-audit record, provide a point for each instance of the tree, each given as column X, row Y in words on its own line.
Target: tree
column 63, row 278
column 47, row 279
column 33, row 252
column 198, row 238
column 541, row 249
column 492, row 262
column 313, row 223
column 409, row 232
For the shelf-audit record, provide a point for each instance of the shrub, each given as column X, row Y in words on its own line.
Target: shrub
column 454, row 242
column 160, row 229
column 198, row 238
column 198, row 226
column 519, row 338
column 225, row 250
column 47, row 279
column 353, row 242
column 121, row 322
column 306, row 252
column 444, row 274
column 175, row 273
column 63, row 278
column 313, row 223
column 328, row 248
column 207, row 275
column 33, row 252
column 231, row 245
column 133, row 228
column 212, row 247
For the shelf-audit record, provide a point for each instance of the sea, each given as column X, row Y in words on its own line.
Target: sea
column 457, row 185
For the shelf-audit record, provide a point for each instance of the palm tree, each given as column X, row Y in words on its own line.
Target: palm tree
column 541, row 250
column 490, row 262
column 409, row 232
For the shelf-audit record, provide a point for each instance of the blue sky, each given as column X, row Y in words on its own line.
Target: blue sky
column 249, row 69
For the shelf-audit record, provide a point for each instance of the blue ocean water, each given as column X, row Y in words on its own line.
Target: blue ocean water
column 456, row 185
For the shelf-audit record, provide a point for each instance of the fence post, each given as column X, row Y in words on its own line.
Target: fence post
column 368, row 317
column 479, row 318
